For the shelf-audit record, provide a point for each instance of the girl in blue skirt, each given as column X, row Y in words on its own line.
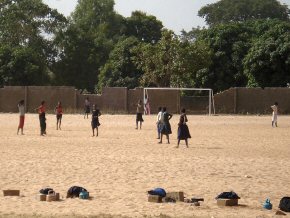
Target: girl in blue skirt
column 165, row 125
column 95, row 120
column 183, row 131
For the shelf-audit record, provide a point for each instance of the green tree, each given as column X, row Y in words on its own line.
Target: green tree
column 225, row 11
column 156, row 61
column 144, row 27
column 85, row 44
column 191, row 63
column 26, row 29
column 119, row 70
column 172, row 63
column 22, row 66
column 267, row 63
column 229, row 44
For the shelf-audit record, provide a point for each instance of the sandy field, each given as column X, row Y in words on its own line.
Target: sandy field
column 122, row 164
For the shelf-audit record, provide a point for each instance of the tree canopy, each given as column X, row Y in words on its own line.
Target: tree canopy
column 245, row 44
column 26, row 48
column 225, row 11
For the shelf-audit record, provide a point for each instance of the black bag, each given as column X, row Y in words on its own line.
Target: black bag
column 74, row 191
column 228, row 195
column 45, row 191
column 285, row 204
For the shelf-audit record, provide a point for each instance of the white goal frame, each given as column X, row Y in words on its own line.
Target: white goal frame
column 211, row 107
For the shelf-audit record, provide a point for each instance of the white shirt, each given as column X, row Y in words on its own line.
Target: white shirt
column 21, row 110
column 275, row 109
column 159, row 116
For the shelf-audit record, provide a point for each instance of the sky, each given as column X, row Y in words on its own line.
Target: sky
column 175, row 15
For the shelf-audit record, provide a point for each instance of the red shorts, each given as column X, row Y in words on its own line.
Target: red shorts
column 21, row 122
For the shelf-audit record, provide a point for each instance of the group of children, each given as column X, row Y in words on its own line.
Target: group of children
column 163, row 117
column 41, row 114
column 163, row 124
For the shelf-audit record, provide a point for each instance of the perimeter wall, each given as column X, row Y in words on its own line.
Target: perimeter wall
column 252, row 100
column 123, row 100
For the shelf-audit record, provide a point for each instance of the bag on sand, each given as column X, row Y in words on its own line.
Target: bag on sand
column 285, row 204
column 158, row 191
column 228, row 195
column 75, row 191
column 45, row 191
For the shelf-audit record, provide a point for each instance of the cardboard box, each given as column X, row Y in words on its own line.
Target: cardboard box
column 154, row 198
column 227, row 202
column 41, row 197
column 11, row 192
column 178, row 196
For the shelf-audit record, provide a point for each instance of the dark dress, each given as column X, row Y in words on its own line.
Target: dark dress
column 139, row 117
column 87, row 109
column 183, row 131
column 165, row 125
column 95, row 118
column 42, row 121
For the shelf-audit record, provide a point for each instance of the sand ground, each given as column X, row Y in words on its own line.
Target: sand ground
column 120, row 165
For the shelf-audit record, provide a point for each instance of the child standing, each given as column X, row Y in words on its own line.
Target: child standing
column 58, row 112
column 275, row 114
column 165, row 128
column 139, row 114
column 21, row 109
column 183, row 131
column 87, row 107
column 95, row 120
column 42, row 119
column 158, row 122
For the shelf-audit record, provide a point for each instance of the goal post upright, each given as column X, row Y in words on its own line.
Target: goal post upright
column 210, row 95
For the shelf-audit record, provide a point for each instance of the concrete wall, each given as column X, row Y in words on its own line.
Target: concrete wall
column 134, row 95
column 122, row 100
column 252, row 100
column 164, row 98
column 225, row 101
column 195, row 105
column 9, row 98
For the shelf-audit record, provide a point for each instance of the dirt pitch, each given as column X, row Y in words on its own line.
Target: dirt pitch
column 240, row 153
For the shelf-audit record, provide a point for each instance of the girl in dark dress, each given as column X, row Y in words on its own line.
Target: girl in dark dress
column 139, row 117
column 87, row 108
column 42, row 119
column 165, row 125
column 95, row 120
column 183, row 131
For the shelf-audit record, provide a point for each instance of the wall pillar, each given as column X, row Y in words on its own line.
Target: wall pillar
column 235, row 100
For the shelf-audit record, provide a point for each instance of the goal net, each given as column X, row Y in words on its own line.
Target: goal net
column 194, row 100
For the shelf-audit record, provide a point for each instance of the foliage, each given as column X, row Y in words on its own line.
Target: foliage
column 22, row 66
column 144, row 27
column 119, row 70
column 267, row 63
column 86, row 43
column 25, row 46
column 229, row 44
column 172, row 63
column 225, row 11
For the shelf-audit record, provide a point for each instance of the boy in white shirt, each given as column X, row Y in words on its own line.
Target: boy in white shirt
column 274, row 114
column 158, row 122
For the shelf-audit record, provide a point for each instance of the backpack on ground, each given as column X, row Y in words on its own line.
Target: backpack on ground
column 45, row 191
column 228, row 195
column 285, row 204
column 158, row 191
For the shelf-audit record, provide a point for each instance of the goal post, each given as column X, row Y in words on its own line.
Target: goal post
column 210, row 104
